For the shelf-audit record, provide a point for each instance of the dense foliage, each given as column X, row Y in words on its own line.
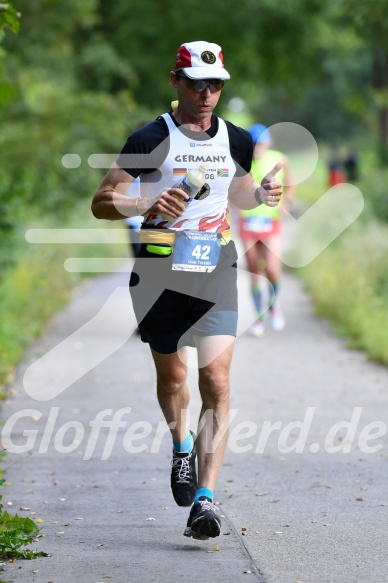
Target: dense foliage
column 79, row 77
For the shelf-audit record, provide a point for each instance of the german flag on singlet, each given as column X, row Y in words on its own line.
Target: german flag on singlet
column 179, row 172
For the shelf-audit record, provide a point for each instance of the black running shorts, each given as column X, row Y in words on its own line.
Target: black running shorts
column 172, row 307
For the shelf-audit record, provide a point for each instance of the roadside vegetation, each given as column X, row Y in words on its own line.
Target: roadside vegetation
column 348, row 281
column 37, row 285
column 17, row 532
column 349, row 285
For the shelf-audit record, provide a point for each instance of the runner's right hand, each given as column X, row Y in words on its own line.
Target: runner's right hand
column 170, row 202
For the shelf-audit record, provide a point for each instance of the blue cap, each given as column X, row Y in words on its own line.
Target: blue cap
column 260, row 134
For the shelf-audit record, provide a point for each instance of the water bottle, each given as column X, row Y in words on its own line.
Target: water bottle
column 191, row 184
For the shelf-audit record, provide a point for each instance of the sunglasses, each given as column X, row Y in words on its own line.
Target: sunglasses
column 199, row 85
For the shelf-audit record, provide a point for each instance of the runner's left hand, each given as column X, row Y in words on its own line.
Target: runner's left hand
column 270, row 187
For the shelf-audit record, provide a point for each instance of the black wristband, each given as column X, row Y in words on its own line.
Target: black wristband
column 257, row 196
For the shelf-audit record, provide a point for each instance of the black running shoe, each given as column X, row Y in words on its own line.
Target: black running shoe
column 184, row 476
column 203, row 521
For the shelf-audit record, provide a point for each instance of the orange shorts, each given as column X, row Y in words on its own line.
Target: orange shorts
column 253, row 229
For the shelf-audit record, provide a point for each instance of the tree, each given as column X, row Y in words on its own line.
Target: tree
column 369, row 20
column 9, row 19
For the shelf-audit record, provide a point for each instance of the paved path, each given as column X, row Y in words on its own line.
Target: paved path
column 310, row 517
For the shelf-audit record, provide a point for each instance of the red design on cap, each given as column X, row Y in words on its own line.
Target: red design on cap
column 221, row 58
column 183, row 58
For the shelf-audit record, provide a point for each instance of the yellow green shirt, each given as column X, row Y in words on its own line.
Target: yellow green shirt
column 259, row 169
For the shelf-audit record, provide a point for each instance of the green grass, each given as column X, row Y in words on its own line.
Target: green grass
column 37, row 286
column 17, row 532
column 348, row 282
column 349, row 285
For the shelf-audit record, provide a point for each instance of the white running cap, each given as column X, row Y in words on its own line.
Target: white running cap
column 201, row 60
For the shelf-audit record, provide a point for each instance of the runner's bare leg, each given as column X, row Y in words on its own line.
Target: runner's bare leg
column 172, row 391
column 214, row 389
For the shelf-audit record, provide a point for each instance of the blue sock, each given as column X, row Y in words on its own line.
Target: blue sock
column 185, row 446
column 258, row 300
column 274, row 290
column 204, row 492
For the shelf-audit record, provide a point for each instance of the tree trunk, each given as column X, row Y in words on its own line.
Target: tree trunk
column 381, row 84
column 383, row 134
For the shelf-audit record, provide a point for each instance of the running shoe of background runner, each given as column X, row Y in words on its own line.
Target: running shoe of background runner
column 258, row 329
column 277, row 319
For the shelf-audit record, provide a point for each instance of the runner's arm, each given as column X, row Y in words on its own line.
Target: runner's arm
column 246, row 194
column 111, row 203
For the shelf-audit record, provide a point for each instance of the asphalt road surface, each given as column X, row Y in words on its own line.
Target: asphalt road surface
column 303, row 488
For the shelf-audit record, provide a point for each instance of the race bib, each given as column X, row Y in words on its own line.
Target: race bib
column 258, row 224
column 196, row 251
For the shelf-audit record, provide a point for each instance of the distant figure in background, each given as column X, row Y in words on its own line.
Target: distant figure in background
column 351, row 166
column 336, row 171
column 260, row 231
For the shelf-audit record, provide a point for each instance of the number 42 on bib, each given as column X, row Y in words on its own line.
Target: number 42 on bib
column 196, row 251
